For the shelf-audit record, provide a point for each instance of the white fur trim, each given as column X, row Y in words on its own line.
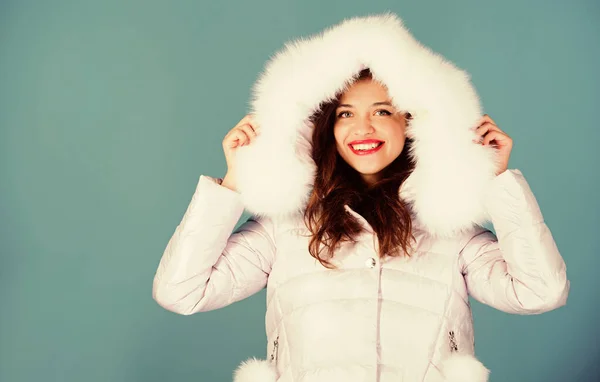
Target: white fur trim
column 255, row 370
column 447, row 187
column 463, row 368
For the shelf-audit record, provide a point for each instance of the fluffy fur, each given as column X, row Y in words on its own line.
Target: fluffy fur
column 447, row 187
column 464, row 368
column 255, row 370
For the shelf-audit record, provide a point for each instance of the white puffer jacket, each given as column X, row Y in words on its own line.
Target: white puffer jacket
column 386, row 319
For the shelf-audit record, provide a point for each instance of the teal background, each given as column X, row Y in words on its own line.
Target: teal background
column 111, row 110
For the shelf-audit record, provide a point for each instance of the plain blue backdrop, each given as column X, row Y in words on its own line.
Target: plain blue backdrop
column 111, row 110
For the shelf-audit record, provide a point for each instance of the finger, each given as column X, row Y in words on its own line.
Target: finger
column 236, row 129
column 238, row 138
column 497, row 136
column 486, row 127
column 482, row 130
column 248, row 133
column 249, row 129
column 247, row 119
column 486, row 118
column 480, row 122
column 253, row 124
column 245, row 137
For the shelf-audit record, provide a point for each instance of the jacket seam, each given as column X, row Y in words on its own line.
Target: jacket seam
column 309, row 274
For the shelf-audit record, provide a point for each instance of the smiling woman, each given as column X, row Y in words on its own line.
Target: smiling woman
column 334, row 168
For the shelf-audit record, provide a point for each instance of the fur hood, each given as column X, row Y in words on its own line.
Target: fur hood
column 448, row 186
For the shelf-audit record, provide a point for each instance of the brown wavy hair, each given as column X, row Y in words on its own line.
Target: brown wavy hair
column 337, row 184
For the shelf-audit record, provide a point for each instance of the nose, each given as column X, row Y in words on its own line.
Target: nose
column 363, row 127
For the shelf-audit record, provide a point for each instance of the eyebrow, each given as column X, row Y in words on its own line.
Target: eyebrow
column 386, row 103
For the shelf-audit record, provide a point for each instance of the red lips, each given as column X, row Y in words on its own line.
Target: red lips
column 366, row 142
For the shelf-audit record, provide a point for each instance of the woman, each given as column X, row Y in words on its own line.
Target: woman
column 369, row 172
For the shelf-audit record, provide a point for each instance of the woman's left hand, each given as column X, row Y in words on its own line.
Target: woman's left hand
column 490, row 134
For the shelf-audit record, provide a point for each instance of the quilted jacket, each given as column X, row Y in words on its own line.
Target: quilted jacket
column 373, row 318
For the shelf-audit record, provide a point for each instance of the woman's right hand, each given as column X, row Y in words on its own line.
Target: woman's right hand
column 241, row 135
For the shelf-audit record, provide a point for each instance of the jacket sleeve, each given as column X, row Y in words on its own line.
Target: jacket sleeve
column 206, row 265
column 518, row 270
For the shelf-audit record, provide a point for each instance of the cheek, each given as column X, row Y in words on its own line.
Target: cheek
column 339, row 137
column 399, row 136
column 397, row 146
column 396, row 136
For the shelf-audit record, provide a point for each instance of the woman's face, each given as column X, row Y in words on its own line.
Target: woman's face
column 369, row 132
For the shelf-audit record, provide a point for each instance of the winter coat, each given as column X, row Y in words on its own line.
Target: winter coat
column 372, row 318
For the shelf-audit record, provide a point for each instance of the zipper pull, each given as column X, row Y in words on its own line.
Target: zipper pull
column 453, row 345
column 275, row 352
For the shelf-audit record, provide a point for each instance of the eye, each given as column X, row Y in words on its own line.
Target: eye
column 383, row 112
column 344, row 114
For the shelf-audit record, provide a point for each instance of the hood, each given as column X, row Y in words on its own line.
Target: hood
column 448, row 185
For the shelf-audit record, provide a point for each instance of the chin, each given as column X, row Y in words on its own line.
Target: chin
column 370, row 168
column 368, row 172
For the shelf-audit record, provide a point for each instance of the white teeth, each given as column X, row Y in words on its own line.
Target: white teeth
column 365, row 146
